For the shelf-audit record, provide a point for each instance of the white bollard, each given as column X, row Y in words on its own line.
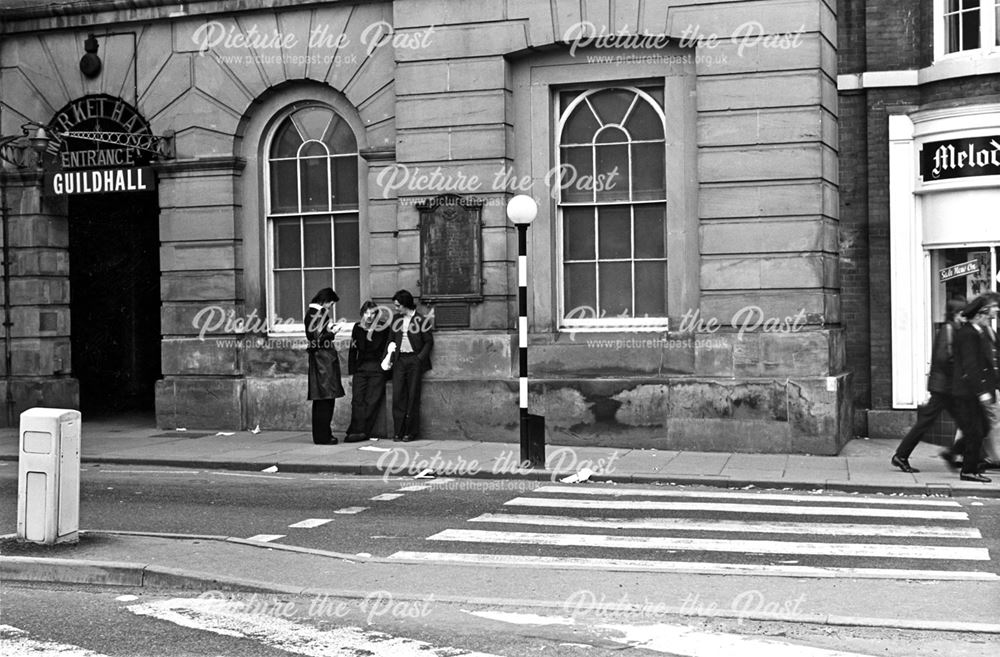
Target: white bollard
column 48, row 482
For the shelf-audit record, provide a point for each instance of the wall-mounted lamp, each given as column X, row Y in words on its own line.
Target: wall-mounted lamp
column 90, row 63
column 15, row 148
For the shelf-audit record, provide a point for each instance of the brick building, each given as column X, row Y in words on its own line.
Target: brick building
column 919, row 109
column 687, row 264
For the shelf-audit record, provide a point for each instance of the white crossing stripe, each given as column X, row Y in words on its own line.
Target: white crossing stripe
column 17, row 643
column 264, row 538
column 385, row 497
column 643, row 505
column 677, row 640
column 682, row 641
column 744, row 495
column 951, row 553
column 351, row 509
column 772, row 527
column 226, row 617
column 412, row 489
column 310, row 523
column 698, row 567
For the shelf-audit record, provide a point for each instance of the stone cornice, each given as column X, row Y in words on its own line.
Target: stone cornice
column 30, row 15
column 181, row 167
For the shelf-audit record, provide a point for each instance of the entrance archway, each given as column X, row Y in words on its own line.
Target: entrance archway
column 115, row 300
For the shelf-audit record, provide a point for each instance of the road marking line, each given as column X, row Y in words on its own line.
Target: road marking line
column 618, row 492
column 17, row 643
column 106, row 471
column 385, row 497
column 244, row 474
column 704, row 568
column 228, row 618
column 642, row 505
column 412, row 489
column 773, row 527
column 351, row 509
column 310, row 523
column 265, row 538
column 882, row 550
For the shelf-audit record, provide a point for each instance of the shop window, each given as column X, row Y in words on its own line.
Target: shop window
column 312, row 214
column 966, row 26
column 612, row 206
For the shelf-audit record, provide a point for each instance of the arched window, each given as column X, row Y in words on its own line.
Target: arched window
column 612, row 205
column 312, row 214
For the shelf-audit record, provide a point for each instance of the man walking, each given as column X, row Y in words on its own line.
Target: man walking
column 938, row 384
column 975, row 380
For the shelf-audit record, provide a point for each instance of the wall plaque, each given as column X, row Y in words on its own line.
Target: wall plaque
column 451, row 249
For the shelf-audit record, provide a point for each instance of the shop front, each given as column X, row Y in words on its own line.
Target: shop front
column 945, row 228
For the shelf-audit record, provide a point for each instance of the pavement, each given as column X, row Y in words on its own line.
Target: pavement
column 210, row 563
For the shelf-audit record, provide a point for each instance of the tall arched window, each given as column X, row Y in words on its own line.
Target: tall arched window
column 612, row 205
column 312, row 214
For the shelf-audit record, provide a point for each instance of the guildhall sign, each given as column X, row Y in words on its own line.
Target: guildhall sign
column 102, row 145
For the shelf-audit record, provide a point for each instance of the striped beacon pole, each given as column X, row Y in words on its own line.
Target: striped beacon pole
column 521, row 210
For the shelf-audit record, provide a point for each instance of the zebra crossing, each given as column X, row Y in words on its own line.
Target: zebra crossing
column 731, row 532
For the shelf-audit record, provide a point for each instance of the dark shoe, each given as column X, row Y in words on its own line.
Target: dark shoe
column 989, row 464
column 950, row 459
column 355, row 438
column 397, row 439
column 903, row 464
column 408, row 438
column 974, row 477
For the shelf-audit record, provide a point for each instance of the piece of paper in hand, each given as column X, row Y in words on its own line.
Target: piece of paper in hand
column 583, row 475
column 426, row 473
column 273, row 468
column 256, row 429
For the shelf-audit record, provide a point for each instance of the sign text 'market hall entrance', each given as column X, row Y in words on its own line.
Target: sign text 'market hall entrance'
column 97, row 142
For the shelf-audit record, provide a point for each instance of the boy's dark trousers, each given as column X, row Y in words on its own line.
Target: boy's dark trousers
column 406, row 380
column 367, row 393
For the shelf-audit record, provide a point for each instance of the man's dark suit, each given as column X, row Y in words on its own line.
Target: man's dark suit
column 407, row 373
column 975, row 377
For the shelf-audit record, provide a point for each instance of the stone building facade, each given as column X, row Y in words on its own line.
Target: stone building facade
column 919, row 90
column 684, row 266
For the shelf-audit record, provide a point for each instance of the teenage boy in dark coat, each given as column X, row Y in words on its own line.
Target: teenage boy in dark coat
column 410, row 345
column 369, row 340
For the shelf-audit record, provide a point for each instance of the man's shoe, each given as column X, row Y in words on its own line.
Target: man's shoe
column 989, row 464
column 396, row 439
column 408, row 439
column 902, row 464
column 355, row 438
column 950, row 459
column 971, row 476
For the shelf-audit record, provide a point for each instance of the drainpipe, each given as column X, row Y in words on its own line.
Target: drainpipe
column 7, row 323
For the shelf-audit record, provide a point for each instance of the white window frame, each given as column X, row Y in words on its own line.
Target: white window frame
column 987, row 32
column 299, row 326
column 604, row 323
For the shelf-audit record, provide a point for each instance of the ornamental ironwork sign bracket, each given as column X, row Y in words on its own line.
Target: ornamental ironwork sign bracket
column 161, row 146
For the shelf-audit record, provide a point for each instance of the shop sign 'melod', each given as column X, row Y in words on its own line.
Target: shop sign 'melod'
column 960, row 158
column 99, row 145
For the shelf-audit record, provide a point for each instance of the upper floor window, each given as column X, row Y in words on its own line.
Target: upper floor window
column 966, row 26
column 312, row 214
column 612, row 206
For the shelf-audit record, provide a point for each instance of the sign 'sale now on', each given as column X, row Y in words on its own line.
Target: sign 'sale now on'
column 102, row 181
